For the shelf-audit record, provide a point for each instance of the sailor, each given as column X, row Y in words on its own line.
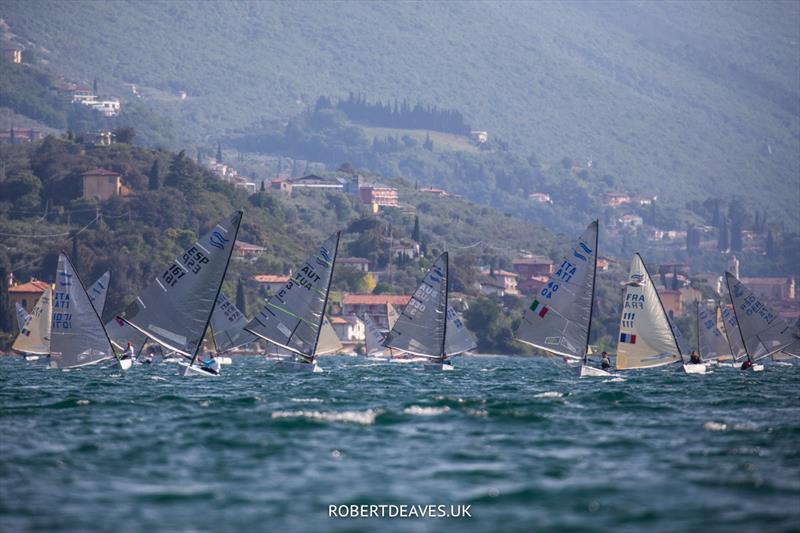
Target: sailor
column 151, row 353
column 694, row 358
column 211, row 364
column 747, row 364
column 446, row 361
column 605, row 362
column 129, row 352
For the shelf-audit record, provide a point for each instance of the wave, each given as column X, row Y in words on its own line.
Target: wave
column 365, row 418
column 425, row 411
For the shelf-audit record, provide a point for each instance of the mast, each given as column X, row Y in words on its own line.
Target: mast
column 669, row 322
column 738, row 325
column 219, row 288
column 697, row 316
column 591, row 305
column 327, row 293
column 446, row 296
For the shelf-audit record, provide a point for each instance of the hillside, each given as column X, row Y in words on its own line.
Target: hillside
column 676, row 99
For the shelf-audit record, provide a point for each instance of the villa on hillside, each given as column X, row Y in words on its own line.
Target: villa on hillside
column 271, row 283
column 25, row 294
column 375, row 305
column 102, row 184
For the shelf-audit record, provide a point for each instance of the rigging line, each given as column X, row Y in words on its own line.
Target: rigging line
column 67, row 234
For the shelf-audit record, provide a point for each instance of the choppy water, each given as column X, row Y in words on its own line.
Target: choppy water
column 523, row 442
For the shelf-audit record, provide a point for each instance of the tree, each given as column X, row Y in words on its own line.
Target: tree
column 415, row 232
column 124, row 135
column 367, row 283
column 154, row 176
column 770, row 245
column 94, row 86
column 7, row 321
column 723, row 243
column 736, row 235
column 263, row 187
column 241, row 300
column 675, row 284
column 219, row 153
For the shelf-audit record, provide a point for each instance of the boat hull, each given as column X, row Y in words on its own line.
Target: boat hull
column 694, row 369
column 224, row 360
column 590, row 371
column 295, row 366
column 185, row 369
column 125, row 364
column 31, row 357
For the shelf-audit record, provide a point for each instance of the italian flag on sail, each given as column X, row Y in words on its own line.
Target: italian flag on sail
column 538, row 308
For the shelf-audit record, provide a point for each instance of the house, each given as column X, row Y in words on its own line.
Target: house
column 358, row 263
column 495, row 279
column 644, row 200
column 602, row 264
column 772, row 288
column 349, row 328
column 26, row 294
column 98, row 138
column 405, row 249
column 672, row 301
column 14, row 55
column 434, row 191
column 532, row 285
column 271, row 283
column 18, row 136
column 312, row 181
column 378, row 196
column 281, row 184
column 109, row 108
column 375, row 305
column 103, row 184
column 541, row 197
column 247, row 251
column 616, row 199
column 631, row 221
column 536, row 265
column 479, row 137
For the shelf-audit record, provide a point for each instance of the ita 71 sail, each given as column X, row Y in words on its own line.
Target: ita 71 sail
column 175, row 309
column 763, row 331
column 421, row 327
column 34, row 335
column 292, row 318
column 77, row 336
column 711, row 342
column 646, row 338
column 227, row 326
column 559, row 318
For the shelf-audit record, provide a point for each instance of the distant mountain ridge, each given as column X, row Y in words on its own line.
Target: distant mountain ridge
column 684, row 100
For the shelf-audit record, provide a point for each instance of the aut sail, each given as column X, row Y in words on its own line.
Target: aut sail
column 227, row 326
column 98, row 293
column 732, row 333
column 763, row 331
column 711, row 342
column 646, row 338
column 22, row 315
column 34, row 336
column 292, row 317
column 421, row 327
column 77, row 336
column 175, row 309
column 559, row 317
column 328, row 339
column 458, row 338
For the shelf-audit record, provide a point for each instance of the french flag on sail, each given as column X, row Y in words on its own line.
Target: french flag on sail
column 538, row 308
column 627, row 337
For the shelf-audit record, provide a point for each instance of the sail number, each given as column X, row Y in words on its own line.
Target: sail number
column 550, row 289
column 193, row 260
column 751, row 306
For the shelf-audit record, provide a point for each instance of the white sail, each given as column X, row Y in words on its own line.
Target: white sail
column 711, row 342
column 421, row 328
column 763, row 331
column 374, row 338
column 22, row 315
column 227, row 326
column 175, row 309
column 292, row 318
column 732, row 333
column 34, row 336
column 328, row 342
column 98, row 293
column 458, row 338
column 558, row 320
column 646, row 338
column 391, row 315
column 77, row 336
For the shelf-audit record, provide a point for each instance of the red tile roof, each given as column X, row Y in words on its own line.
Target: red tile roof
column 375, row 299
column 99, row 172
column 269, row 278
column 34, row 286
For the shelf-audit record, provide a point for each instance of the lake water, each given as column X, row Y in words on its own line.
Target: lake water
column 522, row 441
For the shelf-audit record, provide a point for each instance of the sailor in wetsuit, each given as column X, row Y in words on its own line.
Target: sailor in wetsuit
column 129, row 352
column 694, row 359
column 605, row 362
column 747, row 364
column 210, row 365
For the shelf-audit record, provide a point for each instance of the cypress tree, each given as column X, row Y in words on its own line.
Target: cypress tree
column 219, row 153
column 415, row 233
column 723, row 243
column 736, row 235
column 770, row 245
column 7, row 321
column 154, row 181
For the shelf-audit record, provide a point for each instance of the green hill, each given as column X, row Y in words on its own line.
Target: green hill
column 683, row 100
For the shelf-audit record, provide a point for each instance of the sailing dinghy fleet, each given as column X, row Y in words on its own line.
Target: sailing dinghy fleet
column 183, row 310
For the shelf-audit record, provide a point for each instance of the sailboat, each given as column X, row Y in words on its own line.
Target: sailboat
column 329, row 342
column 374, row 341
column 175, row 309
column 646, row 335
column 293, row 317
column 711, row 342
column 227, row 328
column 33, row 340
column 763, row 331
column 560, row 317
column 77, row 335
column 421, row 328
column 22, row 315
column 731, row 329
